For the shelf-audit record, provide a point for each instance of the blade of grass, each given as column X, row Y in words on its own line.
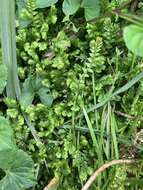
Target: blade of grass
column 32, row 129
column 107, row 148
column 91, row 130
column 8, row 42
column 95, row 102
column 114, row 136
column 109, row 97
column 117, row 92
column 73, row 125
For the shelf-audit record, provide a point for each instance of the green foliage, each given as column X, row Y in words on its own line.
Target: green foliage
column 16, row 164
column 32, row 87
column 65, row 65
column 118, row 178
column 133, row 36
column 91, row 8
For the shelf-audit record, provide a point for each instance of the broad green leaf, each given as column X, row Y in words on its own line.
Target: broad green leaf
column 9, row 154
column 6, row 135
column 45, row 3
column 71, row 6
column 45, row 97
column 91, row 9
column 3, row 77
column 19, row 172
column 133, row 36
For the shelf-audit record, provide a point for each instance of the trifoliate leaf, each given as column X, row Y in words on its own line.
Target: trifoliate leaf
column 3, row 77
column 6, row 135
column 45, row 3
column 133, row 36
column 91, row 9
column 45, row 97
column 19, row 173
column 71, row 6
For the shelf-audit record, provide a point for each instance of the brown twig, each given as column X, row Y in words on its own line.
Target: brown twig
column 53, row 183
column 102, row 168
column 134, row 5
column 128, row 116
column 108, row 14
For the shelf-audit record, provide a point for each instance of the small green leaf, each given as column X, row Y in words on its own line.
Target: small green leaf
column 19, row 172
column 91, row 9
column 6, row 135
column 3, row 77
column 71, row 6
column 133, row 36
column 45, row 3
column 31, row 87
column 45, row 97
column 28, row 92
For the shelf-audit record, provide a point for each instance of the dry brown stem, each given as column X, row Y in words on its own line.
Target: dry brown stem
column 102, row 168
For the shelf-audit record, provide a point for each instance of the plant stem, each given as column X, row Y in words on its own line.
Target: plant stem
column 102, row 168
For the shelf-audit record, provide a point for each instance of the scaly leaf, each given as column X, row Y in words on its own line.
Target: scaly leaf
column 133, row 36
column 71, row 6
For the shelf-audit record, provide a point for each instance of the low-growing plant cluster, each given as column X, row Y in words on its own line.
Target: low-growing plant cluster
column 73, row 98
